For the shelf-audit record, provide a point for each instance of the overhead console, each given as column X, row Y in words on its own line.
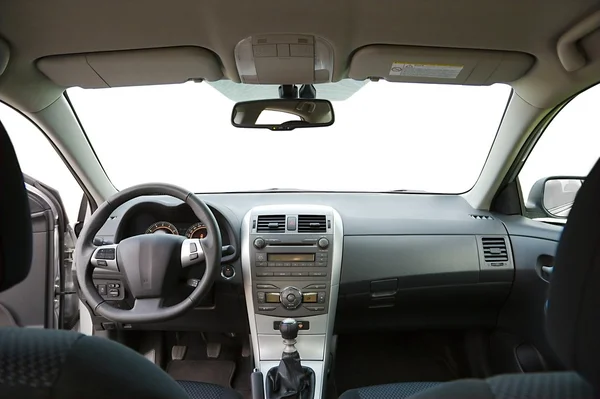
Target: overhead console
column 284, row 59
column 291, row 262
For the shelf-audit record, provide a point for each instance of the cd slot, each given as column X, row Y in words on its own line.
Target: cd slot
column 289, row 244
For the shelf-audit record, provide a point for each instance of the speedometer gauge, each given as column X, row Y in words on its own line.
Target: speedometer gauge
column 197, row 230
column 162, row 228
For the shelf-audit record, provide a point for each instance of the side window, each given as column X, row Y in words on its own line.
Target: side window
column 562, row 158
column 39, row 160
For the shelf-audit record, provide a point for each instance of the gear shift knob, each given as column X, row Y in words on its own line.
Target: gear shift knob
column 288, row 329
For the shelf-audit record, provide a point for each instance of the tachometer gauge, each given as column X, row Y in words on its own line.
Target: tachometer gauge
column 162, row 228
column 197, row 230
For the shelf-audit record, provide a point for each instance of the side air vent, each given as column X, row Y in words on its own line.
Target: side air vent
column 312, row 224
column 494, row 249
column 481, row 217
column 271, row 223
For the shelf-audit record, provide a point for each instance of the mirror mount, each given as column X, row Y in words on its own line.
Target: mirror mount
column 288, row 91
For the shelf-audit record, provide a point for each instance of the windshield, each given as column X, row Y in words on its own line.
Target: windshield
column 386, row 136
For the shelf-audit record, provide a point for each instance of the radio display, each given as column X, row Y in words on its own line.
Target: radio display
column 291, row 257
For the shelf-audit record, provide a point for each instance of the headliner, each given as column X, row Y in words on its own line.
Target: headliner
column 36, row 28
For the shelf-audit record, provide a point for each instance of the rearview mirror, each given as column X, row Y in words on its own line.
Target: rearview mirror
column 283, row 114
column 554, row 196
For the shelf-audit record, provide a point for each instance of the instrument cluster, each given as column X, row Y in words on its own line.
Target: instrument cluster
column 196, row 230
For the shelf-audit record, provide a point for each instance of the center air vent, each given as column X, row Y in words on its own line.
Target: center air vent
column 494, row 249
column 271, row 223
column 312, row 224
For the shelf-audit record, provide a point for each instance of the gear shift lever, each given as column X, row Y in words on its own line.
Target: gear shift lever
column 289, row 332
column 290, row 380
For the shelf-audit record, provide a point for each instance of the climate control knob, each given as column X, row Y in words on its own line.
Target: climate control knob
column 323, row 243
column 290, row 298
column 260, row 243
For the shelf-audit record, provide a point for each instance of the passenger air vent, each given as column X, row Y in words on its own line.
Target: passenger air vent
column 312, row 224
column 481, row 217
column 271, row 223
column 494, row 249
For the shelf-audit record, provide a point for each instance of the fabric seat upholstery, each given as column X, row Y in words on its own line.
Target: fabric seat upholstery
column 47, row 364
column 572, row 322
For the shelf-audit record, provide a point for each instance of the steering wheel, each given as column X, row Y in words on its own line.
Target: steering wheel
column 149, row 263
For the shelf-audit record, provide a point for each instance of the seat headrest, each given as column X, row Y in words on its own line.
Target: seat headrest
column 573, row 318
column 15, row 219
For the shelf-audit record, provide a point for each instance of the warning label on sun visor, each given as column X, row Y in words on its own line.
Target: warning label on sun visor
column 425, row 70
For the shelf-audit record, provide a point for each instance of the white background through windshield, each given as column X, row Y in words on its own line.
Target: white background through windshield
column 387, row 136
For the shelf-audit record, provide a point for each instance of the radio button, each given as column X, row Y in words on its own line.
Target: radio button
column 299, row 274
column 265, row 287
column 321, row 297
column 281, row 274
column 323, row 243
column 315, row 287
column 260, row 243
column 261, row 257
column 315, row 308
column 318, row 274
column 287, row 264
column 261, row 264
column 260, row 297
column 264, row 274
column 295, row 264
column 279, row 264
column 321, row 264
column 271, row 264
column 266, row 308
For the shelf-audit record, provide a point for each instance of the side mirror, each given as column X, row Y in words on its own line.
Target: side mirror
column 553, row 196
column 283, row 114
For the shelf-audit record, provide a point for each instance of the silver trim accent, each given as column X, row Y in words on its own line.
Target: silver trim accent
column 225, row 277
column 318, row 324
column 325, row 324
column 111, row 264
column 187, row 254
column 309, row 347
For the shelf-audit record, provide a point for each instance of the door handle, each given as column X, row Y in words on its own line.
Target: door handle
column 547, row 271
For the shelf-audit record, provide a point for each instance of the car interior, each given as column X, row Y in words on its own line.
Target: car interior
column 255, row 200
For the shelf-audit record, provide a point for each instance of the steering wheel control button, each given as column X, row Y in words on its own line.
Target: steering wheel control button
column 260, row 243
column 193, row 247
column 102, row 289
column 102, row 263
column 193, row 256
column 227, row 272
column 106, row 253
column 323, row 243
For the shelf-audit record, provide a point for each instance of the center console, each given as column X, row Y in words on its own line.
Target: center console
column 291, row 263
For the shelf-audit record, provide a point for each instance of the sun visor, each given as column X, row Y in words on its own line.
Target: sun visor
column 438, row 65
column 132, row 67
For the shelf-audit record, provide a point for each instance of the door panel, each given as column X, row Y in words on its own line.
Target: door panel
column 521, row 324
column 34, row 302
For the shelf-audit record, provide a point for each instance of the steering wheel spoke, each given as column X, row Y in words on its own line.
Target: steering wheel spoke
column 192, row 252
column 105, row 257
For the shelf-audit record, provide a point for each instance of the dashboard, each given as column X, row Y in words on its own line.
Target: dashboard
column 407, row 260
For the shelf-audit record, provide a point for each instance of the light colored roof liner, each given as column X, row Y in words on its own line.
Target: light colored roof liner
column 35, row 29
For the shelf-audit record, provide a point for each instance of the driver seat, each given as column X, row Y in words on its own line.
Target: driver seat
column 39, row 363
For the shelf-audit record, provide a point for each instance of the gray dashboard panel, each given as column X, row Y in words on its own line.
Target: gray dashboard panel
column 363, row 213
column 380, row 257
